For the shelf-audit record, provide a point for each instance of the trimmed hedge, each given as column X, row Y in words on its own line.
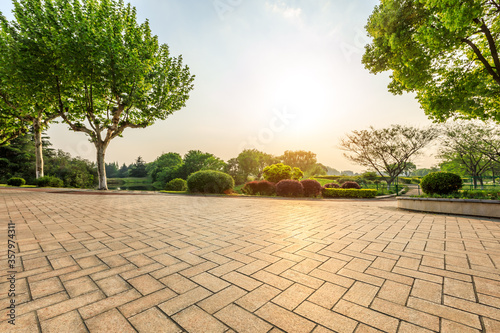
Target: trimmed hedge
column 312, row 188
column 177, row 184
column 332, row 185
column 16, row 181
column 209, row 181
column 289, row 188
column 441, row 183
column 350, row 184
column 348, row 193
column 262, row 187
column 49, row 181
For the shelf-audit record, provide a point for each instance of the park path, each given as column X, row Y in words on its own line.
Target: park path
column 165, row 263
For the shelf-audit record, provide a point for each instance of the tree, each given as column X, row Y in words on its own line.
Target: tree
column 110, row 72
column 304, row 160
column 410, row 168
column 388, row 150
column 25, row 99
column 195, row 160
column 169, row 161
column 460, row 149
column 123, row 172
column 253, row 162
column 112, row 170
column 444, row 51
column 138, row 169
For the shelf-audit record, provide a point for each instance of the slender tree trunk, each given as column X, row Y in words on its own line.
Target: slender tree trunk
column 101, row 166
column 37, row 128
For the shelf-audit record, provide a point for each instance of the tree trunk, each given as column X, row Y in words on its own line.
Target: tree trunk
column 37, row 129
column 101, row 166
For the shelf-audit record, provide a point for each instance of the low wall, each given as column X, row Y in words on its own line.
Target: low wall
column 486, row 208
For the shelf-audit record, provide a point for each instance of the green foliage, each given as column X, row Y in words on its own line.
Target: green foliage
column 196, row 160
column 16, row 181
column 312, row 188
column 112, row 170
column 138, row 169
column 304, row 160
column 209, row 181
column 349, row 184
column 233, row 169
column 177, row 184
column 444, row 51
column 441, row 183
column 49, row 181
column 170, row 161
column 74, row 171
column 331, row 185
column 297, row 174
column 262, row 187
column 276, row 172
column 252, row 162
column 348, row 193
column 289, row 188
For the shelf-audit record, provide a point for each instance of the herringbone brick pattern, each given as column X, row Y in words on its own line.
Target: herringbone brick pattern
column 161, row 263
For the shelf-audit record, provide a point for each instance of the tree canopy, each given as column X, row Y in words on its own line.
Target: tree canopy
column 444, row 51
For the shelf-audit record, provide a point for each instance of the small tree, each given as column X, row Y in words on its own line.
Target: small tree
column 388, row 150
column 109, row 72
column 138, row 169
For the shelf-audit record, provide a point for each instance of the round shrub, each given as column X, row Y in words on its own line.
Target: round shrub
column 289, row 188
column 177, row 184
column 49, row 181
column 441, row 183
column 276, row 172
column 351, row 185
column 209, row 181
column 311, row 187
column 332, row 185
column 16, row 181
column 262, row 187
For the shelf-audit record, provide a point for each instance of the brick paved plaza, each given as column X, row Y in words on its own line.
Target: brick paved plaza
column 164, row 263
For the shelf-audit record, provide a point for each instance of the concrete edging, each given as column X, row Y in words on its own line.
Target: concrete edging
column 484, row 208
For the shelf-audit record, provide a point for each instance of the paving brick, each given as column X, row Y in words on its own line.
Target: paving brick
column 26, row 323
column 427, row 290
column 241, row 320
column 327, row 318
column 210, row 282
column 69, row 322
column 80, row 286
column 108, row 303
column 194, row 319
column 491, row 325
column 181, row 302
column 272, row 280
column 241, row 280
column 405, row 327
column 45, row 287
column 69, row 305
column 146, row 284
column 367, row 316
column 110, row 321
column 134, row 307
column 112, row 285
column 361, row 293
column 453, row 327
column 302, row 278
column 459, row 289
column 153, row 320
column 284, row 319
column 473, row 307
column 394, row 292
column 293, row 296
column 219, row 300
column 327, row 295
column 258, row 297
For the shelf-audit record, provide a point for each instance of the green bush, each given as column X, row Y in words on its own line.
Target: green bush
column 348, row 193
column 16, row 181
column 49, row 181
column 441, row 183
column 177, row 184
column 276, row 172
column 209, row 181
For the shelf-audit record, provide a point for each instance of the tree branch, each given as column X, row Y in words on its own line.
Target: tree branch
column 483, row 60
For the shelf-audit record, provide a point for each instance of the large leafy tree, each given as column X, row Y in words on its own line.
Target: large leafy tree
column 387, row 151
column 304, row 160
column 253, row 162
column 110, row 71
column 25, row 98
column 444, row 51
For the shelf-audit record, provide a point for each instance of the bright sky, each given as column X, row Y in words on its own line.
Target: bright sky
column 274, row 75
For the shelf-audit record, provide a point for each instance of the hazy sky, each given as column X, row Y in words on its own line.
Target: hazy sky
column 274, row 75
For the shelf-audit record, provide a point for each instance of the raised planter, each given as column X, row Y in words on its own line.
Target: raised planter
column 486, row 208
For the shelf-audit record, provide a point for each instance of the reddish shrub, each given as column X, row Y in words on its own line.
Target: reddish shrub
column 331, row 185
column 351, row 185
column 312, row 187
column 289, row 188
column 262, row 187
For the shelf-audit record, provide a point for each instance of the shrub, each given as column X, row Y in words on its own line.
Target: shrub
column 331, row 185
column 262, row 187
column 276, row 172
column 289, row 188
column 348, row 193
column 350, row 184
column 16, row 181
column 49, row 181
column 344, row 179
column 312, row 187
column 441, row 183
column 177, row 184
column 209, row 181
column 297, row 174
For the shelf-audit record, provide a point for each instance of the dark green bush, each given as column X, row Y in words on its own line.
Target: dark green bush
column 441, row 183
column 49, row 181
column 16, row 181
column 312, row 188
column 289, row 188
column 262, row 187
column 350, row 184
column 209, row 181
column 348, row 193
column 177, row 184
